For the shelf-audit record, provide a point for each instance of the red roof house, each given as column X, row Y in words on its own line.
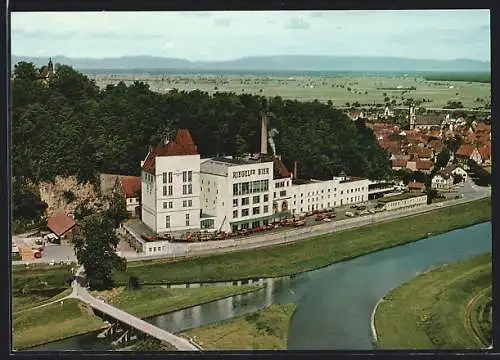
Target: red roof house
column 131, row 186
column 415, row 185
column 60, row 224
column 424, row 165
column 398, row 164
column 183, row 145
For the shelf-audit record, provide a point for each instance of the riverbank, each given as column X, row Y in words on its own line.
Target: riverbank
column 263, row 330
column 311, row 253
column 54, row 322
column 434, row 310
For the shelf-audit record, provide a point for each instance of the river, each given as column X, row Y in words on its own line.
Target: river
column 334, row 303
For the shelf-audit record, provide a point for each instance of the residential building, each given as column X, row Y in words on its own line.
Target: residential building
column 466, row 152
column 130, row 188
column 415, row 186
column 170, row 194
column 61, row 225
column 442, row 181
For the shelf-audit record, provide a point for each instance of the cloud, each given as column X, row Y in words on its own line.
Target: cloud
column 222, row 21
column 297, row 23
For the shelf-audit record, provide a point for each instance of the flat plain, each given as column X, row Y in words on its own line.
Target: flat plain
column 342, row 89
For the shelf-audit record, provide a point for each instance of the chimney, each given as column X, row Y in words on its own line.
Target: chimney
column 295, row 166
column 263, row 135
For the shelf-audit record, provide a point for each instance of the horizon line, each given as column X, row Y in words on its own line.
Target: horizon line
column 252, row 56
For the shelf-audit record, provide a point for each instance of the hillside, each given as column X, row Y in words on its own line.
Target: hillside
column 268, row 63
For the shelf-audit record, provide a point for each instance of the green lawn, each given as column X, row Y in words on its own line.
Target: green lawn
column 263, row 330
column 54, row 322
column 338, row 89
column 311, row 253
column 40, row 278
column 22, row 303
column 154, row 300
column 433, row 311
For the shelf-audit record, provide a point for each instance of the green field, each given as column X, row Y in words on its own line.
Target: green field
column 33, row 327
column 340, row 90
column 446, row 308
column 263, row 330
column 311, row 253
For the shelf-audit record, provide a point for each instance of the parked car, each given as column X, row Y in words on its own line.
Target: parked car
column 348, row 213
column 327, row 219
column 372, row 211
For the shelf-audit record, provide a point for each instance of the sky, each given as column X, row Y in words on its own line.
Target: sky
column 227, row 35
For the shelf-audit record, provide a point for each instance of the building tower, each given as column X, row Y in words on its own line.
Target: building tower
column 263, row 135
column 412, row 116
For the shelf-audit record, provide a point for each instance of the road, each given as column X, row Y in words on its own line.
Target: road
column 81, row 293
column 469, row 190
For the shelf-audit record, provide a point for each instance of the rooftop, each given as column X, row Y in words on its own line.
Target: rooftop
column 398, row 197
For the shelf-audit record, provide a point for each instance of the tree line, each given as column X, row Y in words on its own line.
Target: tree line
column 71, row 127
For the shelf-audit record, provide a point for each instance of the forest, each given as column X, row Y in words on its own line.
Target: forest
column 69, row 126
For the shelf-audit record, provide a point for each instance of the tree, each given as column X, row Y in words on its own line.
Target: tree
column 83, row 210
column 26, row 201
column 458, row 178
column 95, row 245
column 442, row 158
column 25, row 71
column 117, row 210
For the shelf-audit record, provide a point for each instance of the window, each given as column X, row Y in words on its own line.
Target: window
column 184, row 203
column 187, row 219
column 164, row 191
column 164, row 177
column 235, row 202
column 245, row 201
column 170, row 190
column 275, row 195
column 190, row 188
column 245, row 188
column 266, row 198
column 184, row 189
column 170, row 180
column 244, row 212
column 190, row 203
column 184, row 176
column 235, row 214
column 256, row 210
column 235, row 189
column 190, row 176
column 256, row 199
column 170, row 205
column 165, row 205
column 266, row 209
column 167, row 222
column 282, row 193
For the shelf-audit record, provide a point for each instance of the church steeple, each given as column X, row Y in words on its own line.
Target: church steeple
column 51, row 66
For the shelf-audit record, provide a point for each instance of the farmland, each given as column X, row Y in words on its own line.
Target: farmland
column 342, row 90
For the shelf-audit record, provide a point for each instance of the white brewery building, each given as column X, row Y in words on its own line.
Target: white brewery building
column 183, row 193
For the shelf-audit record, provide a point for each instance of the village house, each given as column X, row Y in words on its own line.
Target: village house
column 61, row 226
column 424, row 166
column 442, row 181
column 485, row 152
column 130, row 188
column 466, row 152
column 415, row 186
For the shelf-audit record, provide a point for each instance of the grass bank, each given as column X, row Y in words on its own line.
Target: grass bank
column 263, row 330
column 433, row 311
column 311, row 253
column 55, row 322
column 22, row 303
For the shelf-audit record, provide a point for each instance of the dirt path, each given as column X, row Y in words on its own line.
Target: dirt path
column 467, row 320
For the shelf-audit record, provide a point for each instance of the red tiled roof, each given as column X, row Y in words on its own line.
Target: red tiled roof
column 60, row 223
column 183, row 145
column 424, row 165
column 485, row 152
column 280, row 169
column 416, row 185
column 465, row 150
column 423, row 152
column 482, row 127
column 399, row 163
column 131, row 186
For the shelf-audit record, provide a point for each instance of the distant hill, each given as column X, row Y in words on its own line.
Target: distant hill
column 271, row 63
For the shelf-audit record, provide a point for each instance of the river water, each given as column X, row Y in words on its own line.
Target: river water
column 334, row 304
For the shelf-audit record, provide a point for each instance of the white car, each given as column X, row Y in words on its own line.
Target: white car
column 372, row 211
column 327, row 219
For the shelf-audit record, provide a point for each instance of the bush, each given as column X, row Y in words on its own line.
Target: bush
column 69, row 196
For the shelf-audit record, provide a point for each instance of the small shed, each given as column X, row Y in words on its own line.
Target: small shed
column 61, row 225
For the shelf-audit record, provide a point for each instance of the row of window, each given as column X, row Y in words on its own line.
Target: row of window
column 246, row 200
column 170, row 204
column 281, row 184
column 255, row 211
column 250, row 187
column 187, row 189
column 167, row 221
column 187, row 176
